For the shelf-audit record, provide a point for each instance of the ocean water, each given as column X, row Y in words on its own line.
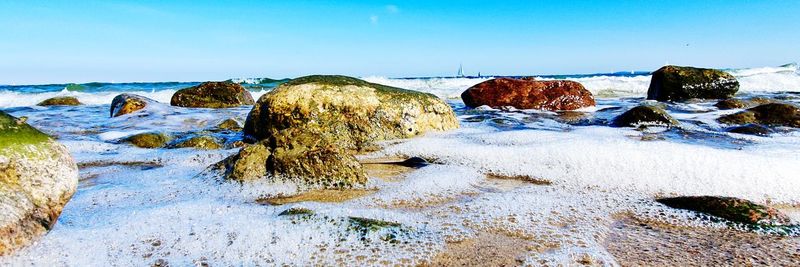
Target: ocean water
column 139, row 206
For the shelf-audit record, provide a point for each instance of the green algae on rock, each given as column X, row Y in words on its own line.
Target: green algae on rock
column 148, row 140
column 729, row 208
column 200, row 142
column 675, row 83
column 644, row 114
column 212, row 95
column 60, row 101
column 776, row 114
column 128, row 103
column 37, row 178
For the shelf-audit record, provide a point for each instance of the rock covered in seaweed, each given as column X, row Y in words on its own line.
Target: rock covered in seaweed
column 644, row 114
column 148, row 140
column 37, row 178
column 212, row 95
column 199, row 142
column 60, row 101
column 128, row 103
column 776, row 114
column 729, row 208
column 529, row 94
column 675, row 83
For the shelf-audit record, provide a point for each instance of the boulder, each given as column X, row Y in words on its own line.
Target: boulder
column 729, row 208
column 734, row 103
column 751, row 129
column 229, row 125
column 128, row 103
column 308, row 128
column 776, row 114
column 644, row 114
column 200, row 142
column 60, row 101
column 529, row 94
column 212, row 95
column 148, row 140
column 37, row 178
column 674, row 83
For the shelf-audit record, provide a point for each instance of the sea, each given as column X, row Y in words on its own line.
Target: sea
column 140, row 207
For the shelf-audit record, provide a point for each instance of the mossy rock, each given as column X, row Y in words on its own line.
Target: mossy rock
column 296, row 211
column 230, row 125
column 128, row 103
column 60, row 101
column 775, row 114
column 212, row 95
column 199, row 142
column 353, row 112
column 37, row 178
column 148, row 140
column 675, row 83
column 729, row 208
column 644, row 114
column 751, row 129
column 731, row 104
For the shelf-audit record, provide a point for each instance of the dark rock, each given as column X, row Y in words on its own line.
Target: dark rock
column 128, row 103
column 674, row 83
column 296, row 211
column 529, row 94
column 60, row 101
column 414, row 162
column 729, row 208
column 731, row 104
column 776, row 114
column 212, row 95
column 644, row 114
column 751, row 129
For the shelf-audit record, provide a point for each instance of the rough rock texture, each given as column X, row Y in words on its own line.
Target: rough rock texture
column 734, row 103
column 674, row 83
column 751, row 129
column 729, row 208
column 350, row 112
column 60, row 101
column 37, row 178
column 230, row 125
column 201, row 142
column 776, row 114
column 212, row 95
column 529, row 94
column 128, row 103
column 644, row 114
column 309, row 127
column 148, row 140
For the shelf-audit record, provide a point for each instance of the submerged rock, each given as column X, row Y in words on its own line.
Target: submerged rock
column 230, row 125
column 776, row 114
column 37, row 178
column 61, row 101
column 128, row 103
column 529, row 94
column 644, row 114
column 729, row 208
column 751, row 129
column 212, row 95
column 200, row 142
column 674, row 83
column 731, row 104
column 148, row 140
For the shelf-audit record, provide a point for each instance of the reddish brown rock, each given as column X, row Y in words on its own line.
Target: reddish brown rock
column 529, row 94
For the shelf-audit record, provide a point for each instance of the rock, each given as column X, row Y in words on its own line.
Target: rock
column 128, row 103
column 731, row 104
column 148, row 140
column 352, row 113
column 776, row 114
column 60, row 101
column 729, row 208
column 296, row 211
column 230, row 125
column 414, row 162
column 37, row 178
column 674, row 83
column 528, row 94
column 751, row 129
column 248, row 165
column 212, row 95
column 200, row 142
column 644, row 114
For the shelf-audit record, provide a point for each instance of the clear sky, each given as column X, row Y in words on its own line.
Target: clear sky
column 81, row 41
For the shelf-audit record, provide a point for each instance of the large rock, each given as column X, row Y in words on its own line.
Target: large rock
column 128, row 103
column 60, row 101
column 37, row 178
column 212, row 95
column 529, row 94
column 351, row 112
column 776, row 114
column 674, row 83
column 308, row 128
column 729, row 208
column 644, row 114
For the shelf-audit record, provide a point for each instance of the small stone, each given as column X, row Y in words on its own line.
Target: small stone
column 60, row 101
column 729, row 208
column 200, row 142
column 644, row 114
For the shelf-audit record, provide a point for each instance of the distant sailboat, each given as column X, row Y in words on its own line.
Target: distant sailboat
column 460, row 71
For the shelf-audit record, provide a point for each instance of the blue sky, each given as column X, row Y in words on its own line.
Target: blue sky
column 81, row 41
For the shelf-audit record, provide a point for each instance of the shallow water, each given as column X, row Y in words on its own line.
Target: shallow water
column 138, row 206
